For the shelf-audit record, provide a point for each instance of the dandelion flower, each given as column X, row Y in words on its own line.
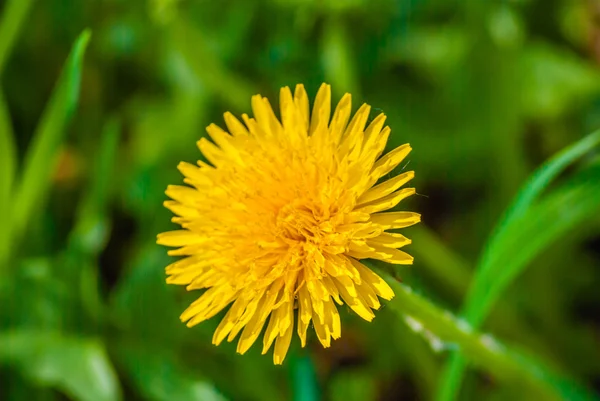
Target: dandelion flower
column 281, row 217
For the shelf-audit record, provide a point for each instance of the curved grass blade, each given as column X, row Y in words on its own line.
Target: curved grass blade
column 13, row 16
column 41, row 155
column 481, row 349
column 532, row 189
column 504, row 257
column 566, row 208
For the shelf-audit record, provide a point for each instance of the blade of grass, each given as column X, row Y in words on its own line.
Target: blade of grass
column 92, row 227
column 524, row 223
column 481, row 349
column 41, row 155
column 8, row 161
column 566, row 208
column 13, row 16
column 532, row 189
column 569, row 209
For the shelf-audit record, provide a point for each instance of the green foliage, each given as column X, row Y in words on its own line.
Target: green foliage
column 42, row 153
column 442, row 330
column 78, row 367
column 11, row 23
column 7, row 171
column 483, row 91
column 505, row 257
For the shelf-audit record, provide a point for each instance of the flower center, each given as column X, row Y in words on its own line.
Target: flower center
column 300, row 223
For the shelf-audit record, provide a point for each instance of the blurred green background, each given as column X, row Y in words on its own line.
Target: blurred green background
column 484, row 91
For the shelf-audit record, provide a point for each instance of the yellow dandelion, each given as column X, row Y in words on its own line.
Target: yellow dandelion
column 281, row 217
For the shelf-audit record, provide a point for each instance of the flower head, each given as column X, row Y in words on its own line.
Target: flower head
column 281, row 217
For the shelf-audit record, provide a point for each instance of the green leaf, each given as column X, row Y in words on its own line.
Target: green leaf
column 8, row 162
column 555, row 80
column 443, row 331
column 42, row 153
column 13, row 16
column 79, row 368
column 566, row 208
column 158, row 377
column 517, row 214
column 505, row 257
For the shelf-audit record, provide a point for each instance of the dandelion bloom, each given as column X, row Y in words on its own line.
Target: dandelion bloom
column 281, row 217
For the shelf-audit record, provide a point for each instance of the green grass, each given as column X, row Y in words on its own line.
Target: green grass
column 497, row 99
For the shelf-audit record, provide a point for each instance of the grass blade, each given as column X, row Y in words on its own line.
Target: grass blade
column 13, row 16
column 567, row 208
column 505, row 257
column 41, row 156
column 483, row 350
column 8, row 161
column 532, row 189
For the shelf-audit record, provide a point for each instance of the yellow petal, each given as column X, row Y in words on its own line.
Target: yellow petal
column 392, row 240
column 191, row 262
column 333, row 320
column 212, row 153
column 230, row 319
column 372, row 132
column 385, row 188
column 340, row 118
column 283, row 341
column 322, row 332
column 185, row 277
column 377, row 283
column 301, row 101
column 321, row 109
column 369, row 295
column 387, row 202
column 180, row 238
column 389, row 161
column 248, row 314
column 273, row 329
column 224, row 141
column 235, row 127
column 332, row 289
column 392, row 220
column 361, row 308
column 254, row 327
column 354, row 133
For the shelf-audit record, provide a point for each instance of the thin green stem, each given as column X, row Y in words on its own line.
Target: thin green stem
column 442, row 327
